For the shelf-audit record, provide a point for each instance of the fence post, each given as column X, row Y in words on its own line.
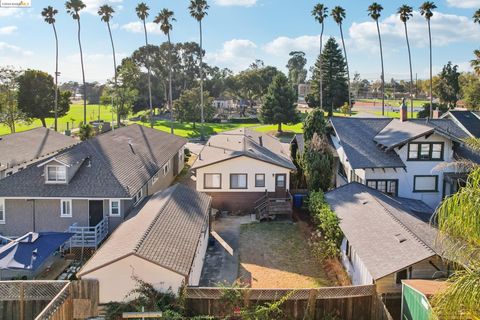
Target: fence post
column 22, row 301
column 312, row 304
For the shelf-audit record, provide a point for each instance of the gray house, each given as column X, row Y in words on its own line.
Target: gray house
column 91, row 187
column 20, row 150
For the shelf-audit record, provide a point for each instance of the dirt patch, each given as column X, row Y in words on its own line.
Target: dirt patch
column 277, row 255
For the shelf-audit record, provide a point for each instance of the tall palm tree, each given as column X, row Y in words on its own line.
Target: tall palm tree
column 73, row 8
column 405, row 13
column 198, row 10
column 374, row 11
column 142, row 14
column 426, row 10
column 475, row 63
column 320, row 13
column 106, row 13
column 49, row 16
column 476, row 16
column 338, row 14
column 165, row 18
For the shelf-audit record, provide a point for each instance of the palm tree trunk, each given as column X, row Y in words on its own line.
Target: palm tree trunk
column 348, row 72
column 170, row 82
column 383, row 70
column 56, row 77
column 115, row 71
column 149, row 72
column 83, row 76
column 321, row 68
column 202, row 117
column 411, row 72
column 279, row 129
column 431, row 77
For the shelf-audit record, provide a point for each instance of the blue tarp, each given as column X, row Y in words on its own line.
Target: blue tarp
column 30, row 251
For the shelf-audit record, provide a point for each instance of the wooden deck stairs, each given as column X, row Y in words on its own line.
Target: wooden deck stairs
column 268, row 207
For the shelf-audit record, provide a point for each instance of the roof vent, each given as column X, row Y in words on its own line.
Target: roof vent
column 400, row 238
column 364, row 202
column 130, row 143
column 260, row 140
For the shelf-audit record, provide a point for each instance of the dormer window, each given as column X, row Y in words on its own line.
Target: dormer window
column 56, row 174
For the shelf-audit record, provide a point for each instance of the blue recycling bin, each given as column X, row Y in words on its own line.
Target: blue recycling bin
column 298, row 200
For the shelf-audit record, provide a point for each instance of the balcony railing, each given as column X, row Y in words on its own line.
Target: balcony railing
column 88, row 237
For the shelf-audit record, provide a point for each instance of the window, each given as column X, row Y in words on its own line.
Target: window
column 155, row 178
column 238, row 181
column 355, row 177
column 425, row 184
column 401, row 275
column 181, row 156
column 66, row 208
column 56, row 174
column 212, row 181
column 138, row 197
column 388, row 186
column 115, row 208
column 166, row 168
column 426, row 151
column 2, row 211
column 259, row 180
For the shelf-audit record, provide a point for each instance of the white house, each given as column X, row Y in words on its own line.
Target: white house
column 386, row 239
column 405, row 158
column 238, row 167
column 164, row 244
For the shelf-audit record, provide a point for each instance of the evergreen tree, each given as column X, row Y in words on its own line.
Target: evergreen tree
column 187, row 108
column 318, row 163
column 315, row 122
column 447, row 89
column 297, row 74
column 279, row 106
column 334, row 74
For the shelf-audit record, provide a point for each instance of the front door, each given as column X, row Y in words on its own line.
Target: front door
column 95, row 209
column 280, row 185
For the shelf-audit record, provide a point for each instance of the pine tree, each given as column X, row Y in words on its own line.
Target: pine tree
column 334, row 74
column 279, row 106
column 317, row 163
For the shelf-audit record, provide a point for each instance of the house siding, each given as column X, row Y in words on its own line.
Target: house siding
column 355, row 268
column 197, row 265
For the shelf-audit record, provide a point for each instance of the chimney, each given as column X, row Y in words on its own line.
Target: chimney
column 436, row 114
column 403, row 111
column 260, row 140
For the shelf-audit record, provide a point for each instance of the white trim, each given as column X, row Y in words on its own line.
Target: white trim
column 166, row 168
column 2, row 203
column 119, row 207
column 47, row 181
column 155, row 177
column 140, row 198
column 62, row 213
column 52, row 159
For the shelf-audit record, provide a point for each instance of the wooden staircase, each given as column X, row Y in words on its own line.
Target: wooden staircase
column 267, row 207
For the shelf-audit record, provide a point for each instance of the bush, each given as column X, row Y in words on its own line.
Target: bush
column 425, row 112
column 244, row 120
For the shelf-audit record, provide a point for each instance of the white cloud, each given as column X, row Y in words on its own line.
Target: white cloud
column 98, row 66
column 282, row 46
column 236, row 54
column 446, row 29
column 6, row 12
column 470, row 4
column 8, row 30
column 137, row 27
column 93, row 5
column 243, row 3
column 7, row 49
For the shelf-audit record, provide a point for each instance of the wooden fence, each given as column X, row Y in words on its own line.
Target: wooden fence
column 52, row 300
column 351, row 302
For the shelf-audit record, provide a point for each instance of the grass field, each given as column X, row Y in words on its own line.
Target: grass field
column 394, row 103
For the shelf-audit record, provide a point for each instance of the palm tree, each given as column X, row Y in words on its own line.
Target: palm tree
column 374, row 11
column 165, row 18
column 106, row 13
column 198, row 10
column 476, row 16
column 49, row 16
column 338, row 14
column 73, row 8
column 320, row 13
column 426, row 10
column 142, row 14
column 405, row 13
column 475, row 63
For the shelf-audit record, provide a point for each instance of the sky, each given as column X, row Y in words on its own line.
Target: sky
column 236, row 32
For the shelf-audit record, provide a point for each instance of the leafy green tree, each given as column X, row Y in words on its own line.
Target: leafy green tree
column 86, row 131
column 297, row 73
column 426, row 10
column 406, row 12
column 333, row 71
column 73, row 8
column 10, row 114
column 447, row 89
column 314, row 122
column 36, row 96
column 318, row 163
column 425, row 112
column 375, row 11
column 320, row 13
column 475, row 63
column 187, row 108
column 279, row 106
column 471, row 95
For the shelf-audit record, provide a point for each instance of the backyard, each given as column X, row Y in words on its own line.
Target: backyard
column 277, row 255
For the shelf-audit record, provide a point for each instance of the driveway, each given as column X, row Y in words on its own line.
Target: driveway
column 221, row 266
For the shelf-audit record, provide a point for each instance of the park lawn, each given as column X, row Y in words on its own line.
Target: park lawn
column 75, row 114
column 391, row 114
column 394, row 103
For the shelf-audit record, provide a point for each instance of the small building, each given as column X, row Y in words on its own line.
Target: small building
column 239, row 167
column 22, row 149
column 416, row 295
column 223, row 103
column 386, row 239
column 164, row 244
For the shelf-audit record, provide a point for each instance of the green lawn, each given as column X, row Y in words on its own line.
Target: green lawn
column 394, row 103
column 75, row 114
column 392, row 114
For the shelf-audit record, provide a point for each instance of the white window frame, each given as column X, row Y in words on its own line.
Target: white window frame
column 212, row 187
column 119, row 207
column 166, row 168
column 138, row 197
column 155, row 178
column 2, row 210
column 181, row 156
column 56, row 173
column 62, row 213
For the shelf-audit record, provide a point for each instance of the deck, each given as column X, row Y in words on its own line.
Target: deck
column 88, row 237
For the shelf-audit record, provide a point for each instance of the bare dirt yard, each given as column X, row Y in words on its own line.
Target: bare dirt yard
column 277, row 255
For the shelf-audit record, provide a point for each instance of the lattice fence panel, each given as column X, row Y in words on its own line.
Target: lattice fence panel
column 30, row 290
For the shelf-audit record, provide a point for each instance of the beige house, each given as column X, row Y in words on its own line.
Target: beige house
column 164, row 244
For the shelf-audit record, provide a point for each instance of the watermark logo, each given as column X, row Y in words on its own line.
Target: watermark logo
column 15, row 3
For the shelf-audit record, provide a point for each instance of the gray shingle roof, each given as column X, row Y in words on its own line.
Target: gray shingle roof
column 398, row 132
column 119, row 164
column 373, row 222
column 444, row 126
column 468, row 119
column 245, row 142
column 30, row 145
column 166, row 231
